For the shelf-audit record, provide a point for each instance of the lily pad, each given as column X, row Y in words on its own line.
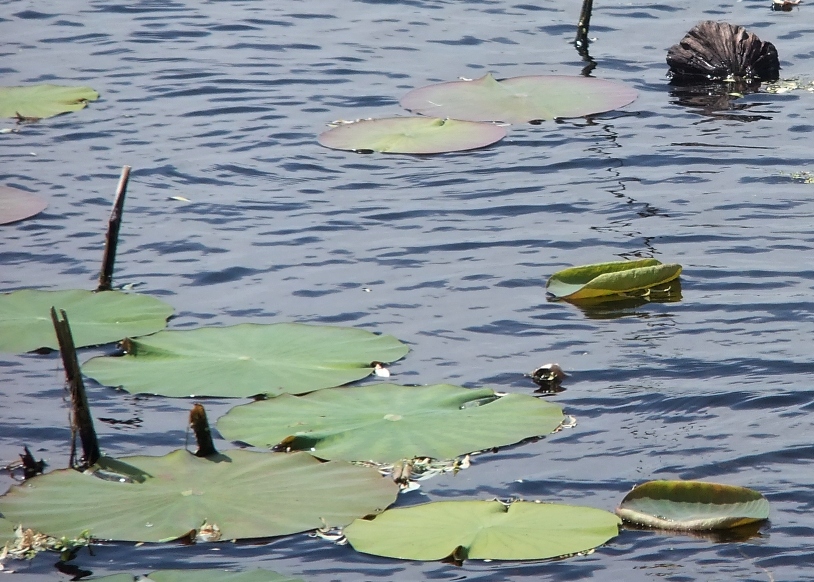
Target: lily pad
column 245, row 360
column 519, row 99
column 411, row 135
column 385, row 422
column 95, row 318
column 16, row 204
column 607, row 279
column 203, row 575
column 692, row 505
column 245, row 494
column 40, row 101
column 483, row 530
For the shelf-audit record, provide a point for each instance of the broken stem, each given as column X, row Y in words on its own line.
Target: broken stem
column 80, row 417
column 584, row 24
column 112, row 237
column 203, row 434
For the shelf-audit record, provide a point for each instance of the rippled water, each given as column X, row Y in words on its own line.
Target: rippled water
column 220, row 102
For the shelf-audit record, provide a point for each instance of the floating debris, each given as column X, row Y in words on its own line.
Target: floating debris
column 548, row 377
column 719, row 51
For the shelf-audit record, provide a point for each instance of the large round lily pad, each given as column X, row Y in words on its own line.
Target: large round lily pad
column 16, row 204
column 519, row 99
column 411, row 135
column 609, row 279
column 40, row 101
column 95, row 318
column 483, row 530
column 385, row 422
column 203, row 575
column 692, row 505
column 245, row 494
column 245, row 360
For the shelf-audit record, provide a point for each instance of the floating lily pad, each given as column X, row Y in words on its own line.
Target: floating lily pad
column 386, row 423
column 483, row 530
column 607, row 279
column 203, row 575
column 411, row 135
column 16, row 204
column 40, row 101
column 245, row 360
column 245, row 494
column 519, row 99
column 692, row 505
column 95, row 318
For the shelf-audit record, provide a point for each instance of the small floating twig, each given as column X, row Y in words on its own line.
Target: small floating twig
column 80, row 417
column 112, row 237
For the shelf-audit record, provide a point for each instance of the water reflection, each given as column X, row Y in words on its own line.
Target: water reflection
column 719, row 100
column 616, row 306
column 735, row 534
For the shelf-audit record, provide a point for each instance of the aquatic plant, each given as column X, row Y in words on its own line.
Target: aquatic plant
column 245, row 360
column 385, row 422
column 692, row 505
column 483, row 530
column 40, row 101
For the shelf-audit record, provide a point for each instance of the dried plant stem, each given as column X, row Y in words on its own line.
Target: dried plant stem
column 112, row 238
column 80, row 417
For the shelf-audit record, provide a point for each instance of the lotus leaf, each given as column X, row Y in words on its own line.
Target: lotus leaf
column 385, row 423
column 18, row 204
column 692, row 505
column 246, row 494
column 519, row 99
column 245, row 360
column 609, row 279
column 95, row 318
column 412, row 135
column 483, row 530
column 40, row 101
column 203, row 575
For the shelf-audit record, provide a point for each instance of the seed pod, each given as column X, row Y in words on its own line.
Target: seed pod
column 719, row 51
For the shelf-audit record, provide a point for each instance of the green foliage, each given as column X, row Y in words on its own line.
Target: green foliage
column 692, row 505
column 610, row 279
column 385, row 422
column 483, row 530
column 95, row 318
column 245, row 360
column 40, row 101
column 242, row 494
column 411, row 135
column 518, row 99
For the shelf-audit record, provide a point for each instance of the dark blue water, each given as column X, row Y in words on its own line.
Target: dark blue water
column 220, row 102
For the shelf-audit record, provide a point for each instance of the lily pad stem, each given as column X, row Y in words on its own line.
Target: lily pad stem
column 81, row 420
column 112, row 237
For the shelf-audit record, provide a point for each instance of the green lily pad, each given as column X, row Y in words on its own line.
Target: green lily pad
column 385, row 422
column 16, row 204
column 95, row 318
column 411, row 135
column 202, row 575
column 245, row 494
column 483, row 530
column 41, row 101
column 245, row 360
column 607, row 279
column 692, row 505
column 519, row 99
